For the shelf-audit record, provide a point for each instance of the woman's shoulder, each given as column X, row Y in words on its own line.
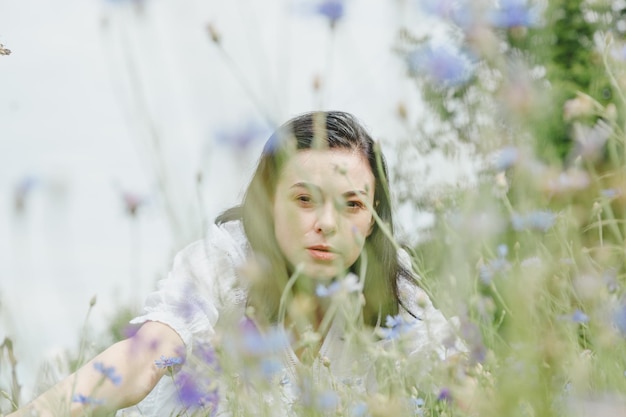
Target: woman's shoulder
column 220, row 240
column 413, row 298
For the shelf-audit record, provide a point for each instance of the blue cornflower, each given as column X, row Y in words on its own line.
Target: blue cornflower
column 505, row 158
column 444, row 65
column 540, row 220
column 444, row 395
column 349, row 284
column 86, row 400
column 206, row 353
column 495, row 266
column 579, row 317
column 255, row 343
column 396, row 326
column 270, row 366
column 460, row 12
column 619, row 52
column 333, row 10
column 22, row 190
column 418, row 406
column 619, row 319
column 327, row 400
column 108, row 372
column 327, row 291
column 359, row 409
column 194, row 392
column 242, row 136
column 610, row 193
column 513, row 13
column 164, row 362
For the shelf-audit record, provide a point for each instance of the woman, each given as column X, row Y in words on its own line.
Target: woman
column 316, row 217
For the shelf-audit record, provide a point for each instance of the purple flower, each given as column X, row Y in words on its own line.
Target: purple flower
column 327, row 400
column 359, row 409
column 610, row 193
column 86, row 400
column 22, row 190
column 619, row 319
column 471, row 334
column 195, row 392
column 255, row 343
column 495, row 266
column 444, row 395
column 461, row 13
column 396, row 326
column 579, row 317
column 619, row 52
column 417, row 405
column 164, row 362
column 444, row 65
column 349, row 284
column 133, row 201
column 540, row 220
column 108, row 372
column 240, row 137
column 206, row 353
column 505, row 158
column 513, row 13
column 333, row 10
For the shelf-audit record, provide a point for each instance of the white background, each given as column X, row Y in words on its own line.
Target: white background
column 99, row 98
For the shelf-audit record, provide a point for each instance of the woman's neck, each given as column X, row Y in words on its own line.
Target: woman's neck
column 304, row 316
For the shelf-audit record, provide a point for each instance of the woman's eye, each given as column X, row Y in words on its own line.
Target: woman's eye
column 355, row 205
column 304, row 200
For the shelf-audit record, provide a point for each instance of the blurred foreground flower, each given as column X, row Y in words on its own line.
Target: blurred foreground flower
column 590, row 141
column 241, row 137
column 540, row 220
column 514, row 13
column 349, row 284
column 505, row 158
column 395, row 327
column 4, row 51
column 196, row 392
column 132, row 202
column 22, row 190
column 619, row 319
column 108, row 372
column 164, row 362
column 333, row 10
column 442, row 64
column 86, row 400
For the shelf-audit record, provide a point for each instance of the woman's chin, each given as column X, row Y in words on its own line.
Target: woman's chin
column 321, row 274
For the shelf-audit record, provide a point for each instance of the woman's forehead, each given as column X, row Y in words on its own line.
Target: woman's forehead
column 341, row 169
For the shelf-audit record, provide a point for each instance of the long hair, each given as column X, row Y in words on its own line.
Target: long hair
column 318, row 130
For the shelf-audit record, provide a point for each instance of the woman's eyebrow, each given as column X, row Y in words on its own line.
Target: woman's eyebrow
column 355, row 193
column 315, row 188
column 306, row 185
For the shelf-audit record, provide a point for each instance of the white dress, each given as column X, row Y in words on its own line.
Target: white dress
column 203, row 286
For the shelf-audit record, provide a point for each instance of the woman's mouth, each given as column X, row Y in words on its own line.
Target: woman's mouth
column 322, row 253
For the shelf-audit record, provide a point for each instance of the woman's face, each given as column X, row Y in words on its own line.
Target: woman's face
column 321, row 215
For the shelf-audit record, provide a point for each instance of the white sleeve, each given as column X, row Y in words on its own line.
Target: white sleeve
column 430, row 329
column 202, row 282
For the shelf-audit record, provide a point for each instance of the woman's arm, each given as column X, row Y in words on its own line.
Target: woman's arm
column 119, row 377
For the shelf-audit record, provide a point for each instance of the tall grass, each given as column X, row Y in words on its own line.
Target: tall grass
column 528, row 256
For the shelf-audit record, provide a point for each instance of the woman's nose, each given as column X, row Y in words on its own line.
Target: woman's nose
column 326, row 223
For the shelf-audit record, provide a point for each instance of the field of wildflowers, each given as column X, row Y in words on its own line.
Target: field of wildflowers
column 528, row 255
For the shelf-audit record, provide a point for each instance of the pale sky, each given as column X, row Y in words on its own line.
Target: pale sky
column 98, row 98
